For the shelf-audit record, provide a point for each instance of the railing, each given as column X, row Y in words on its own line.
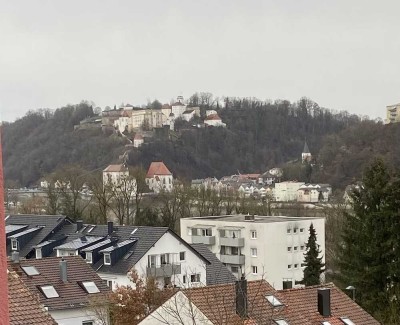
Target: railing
column 164, row 270
column 206, row 240
column 232, row 259
column 233, row 242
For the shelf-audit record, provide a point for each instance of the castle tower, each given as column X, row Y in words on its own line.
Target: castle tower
column 4, row 313
column 306, row 154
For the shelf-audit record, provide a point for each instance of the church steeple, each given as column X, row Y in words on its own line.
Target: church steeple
column 306, row 154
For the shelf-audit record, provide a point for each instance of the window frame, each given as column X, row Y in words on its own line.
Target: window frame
column 107, row 258
column 253, row 252
column 253, row 234
column 184, row 256
column 254, row 268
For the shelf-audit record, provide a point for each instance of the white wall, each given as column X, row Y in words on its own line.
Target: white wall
column 74, row 316
column 272, row 245
column 286, row 191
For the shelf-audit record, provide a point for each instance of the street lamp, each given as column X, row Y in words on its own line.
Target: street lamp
column 353, row 291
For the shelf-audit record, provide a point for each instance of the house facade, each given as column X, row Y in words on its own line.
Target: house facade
column 159, row 178
column 314, row 193
column 393, row 113
column 115, row 174
column 286, row 191
column 259, row 247
column 214, row 120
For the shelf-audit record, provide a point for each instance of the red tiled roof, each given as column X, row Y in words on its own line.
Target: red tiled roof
column 157, row 168
column 25, row 307
column 116, row 169
column 305, row 301
column 214, row 117
column 71, row 294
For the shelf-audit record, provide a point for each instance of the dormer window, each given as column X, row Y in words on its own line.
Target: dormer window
column 107, row 259
column 14, row 244
column 89, row 257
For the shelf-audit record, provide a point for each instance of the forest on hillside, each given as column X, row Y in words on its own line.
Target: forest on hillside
column 259, row 135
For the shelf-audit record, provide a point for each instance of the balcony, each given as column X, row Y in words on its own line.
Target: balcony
column 233, row 242
column 165, row 270
column 206, row 240
column 232, row 259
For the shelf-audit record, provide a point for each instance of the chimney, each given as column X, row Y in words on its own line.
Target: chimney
column 4, row 310
column 110, row 227
column 324, row 302
column 241, row 297
column 79, row 225
column 63, row 271
column 15, row 257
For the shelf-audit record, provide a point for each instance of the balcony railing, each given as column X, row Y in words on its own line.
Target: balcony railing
column 206, row 240
column 232, row 259
column 165, row 270
column 233, row 242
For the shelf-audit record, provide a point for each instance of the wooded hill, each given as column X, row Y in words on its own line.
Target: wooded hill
column 259, row 135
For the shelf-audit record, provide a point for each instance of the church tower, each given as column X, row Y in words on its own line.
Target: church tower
column 306, row 154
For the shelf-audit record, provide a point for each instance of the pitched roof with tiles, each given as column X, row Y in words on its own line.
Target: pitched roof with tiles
column 157, row 168
column 46, row 225
column 116, row 169
column 71, row 294
column 305, row 301
column 216, row 272
column 24, row 306
column 211, row 117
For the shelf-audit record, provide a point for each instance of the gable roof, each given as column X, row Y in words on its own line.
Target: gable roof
column 116, row 168
column 216, row 272
column 46, row 226
column 306, row 150
column 305, row 300
column 157, row 168
column 24, row 306
column 214, row 117
column 71, row 294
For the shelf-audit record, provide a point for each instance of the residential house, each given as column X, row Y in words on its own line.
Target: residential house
column 159, row 178
column 393, row 114
column 24, row 306
column 25, row 232
column 124, row 122
column 314, row 193
column 260, row 247
column 214, row 120
column 138, row 140
column 258, row 303
column 271, row 176
column 115, row 174
column 211, row 112
column 188, row 114
column 65, row 286
column 286, row 191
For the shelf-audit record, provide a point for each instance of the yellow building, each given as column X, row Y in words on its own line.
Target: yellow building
column 393, row 113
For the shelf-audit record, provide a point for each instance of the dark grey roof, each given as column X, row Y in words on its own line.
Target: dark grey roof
column 51, row 225
column 27, row 231
column 306, row 150
column 12, row 228
column 97, row 245
column 79, row 243
column 121, row 244
column 216, row 272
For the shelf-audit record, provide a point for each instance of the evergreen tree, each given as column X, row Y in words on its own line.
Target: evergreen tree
column 369, row 252
column 314, row 266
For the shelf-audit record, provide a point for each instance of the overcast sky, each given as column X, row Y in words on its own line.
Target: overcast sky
column 342, row 54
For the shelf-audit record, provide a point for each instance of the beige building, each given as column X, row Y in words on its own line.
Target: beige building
column 393, row 113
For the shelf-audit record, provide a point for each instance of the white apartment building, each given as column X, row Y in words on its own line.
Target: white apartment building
column 286, row 191
column 260, row 247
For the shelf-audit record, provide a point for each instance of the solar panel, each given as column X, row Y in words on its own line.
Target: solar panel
column 30, row 270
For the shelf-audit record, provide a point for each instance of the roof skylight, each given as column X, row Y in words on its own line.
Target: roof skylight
column 274, row 301
column 281, row 322
column 30, row 270
column 346, row 321
column 49, row 292
column 90, row 287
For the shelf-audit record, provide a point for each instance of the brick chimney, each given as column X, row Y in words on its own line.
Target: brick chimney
column 4, row 311
column 241, row 297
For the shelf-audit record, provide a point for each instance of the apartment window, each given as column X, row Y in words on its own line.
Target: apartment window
column 296, row 266
column 89, row 257
column 289, row 266
column 253, row 234
column 223, row 250
column 152, row 260
column 190, row 231
column 234, row 251
column 182, row 256
column 301, row 229
column 184, row 279
column 302, row 247
column 107, row 259
column 206, row 232
column 87, row 322
column 234, row 269
column 289, row 249
column 222, row 233
column 38, row 253
column 195, row 277
column 14, row 244
column 164, row 259
column 253, row 252
column 288, row 230
column 295, row 248
column 295, row 230
column 254, row 269
column 109, row 283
